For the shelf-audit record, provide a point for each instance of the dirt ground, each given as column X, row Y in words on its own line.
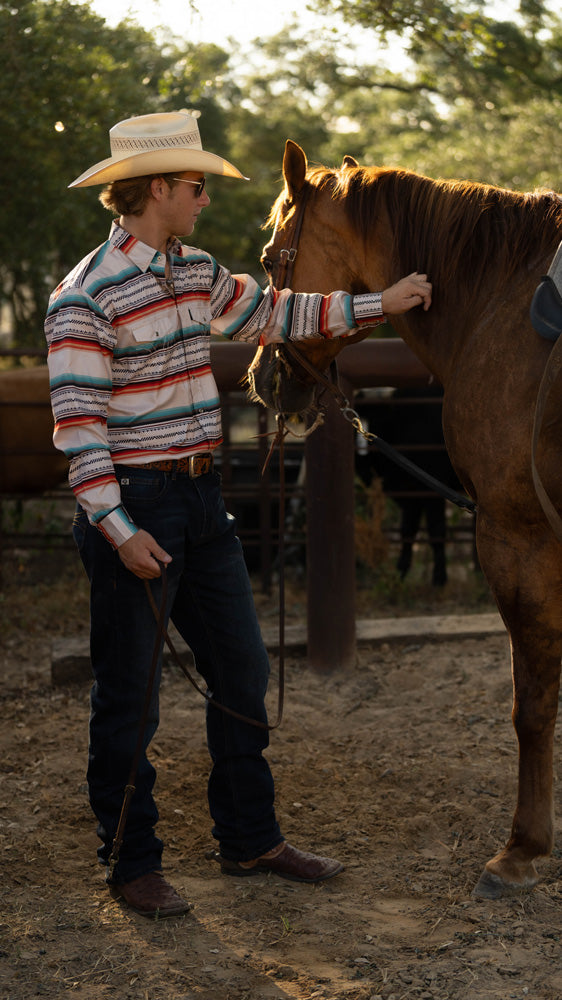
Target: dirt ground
column 403, row 768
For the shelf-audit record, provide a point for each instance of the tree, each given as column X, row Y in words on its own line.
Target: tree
column 460, row 51
column 66, row 79
column 468, row 108
column 74, row 77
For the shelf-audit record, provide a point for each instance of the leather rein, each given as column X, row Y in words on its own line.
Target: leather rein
column 162, row 637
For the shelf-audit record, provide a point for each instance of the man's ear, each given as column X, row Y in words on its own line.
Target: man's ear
column 158, row 188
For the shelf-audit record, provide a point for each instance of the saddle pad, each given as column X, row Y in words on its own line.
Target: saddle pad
column 546, row 306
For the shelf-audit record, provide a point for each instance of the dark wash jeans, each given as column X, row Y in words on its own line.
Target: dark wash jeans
column 211, row 604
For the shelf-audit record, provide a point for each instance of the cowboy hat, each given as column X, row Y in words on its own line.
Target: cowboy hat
column 155, row 144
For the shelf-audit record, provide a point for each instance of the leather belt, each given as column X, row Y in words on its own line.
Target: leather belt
column 190, row 465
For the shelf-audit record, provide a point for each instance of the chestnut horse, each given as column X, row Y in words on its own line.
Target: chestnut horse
column 484, row 249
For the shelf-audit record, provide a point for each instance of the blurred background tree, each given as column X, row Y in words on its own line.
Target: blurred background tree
column 65, row 79
column 475, row 97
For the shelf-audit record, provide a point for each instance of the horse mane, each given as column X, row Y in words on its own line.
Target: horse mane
column 462, row 233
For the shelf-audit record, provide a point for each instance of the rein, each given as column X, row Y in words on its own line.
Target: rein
column 159, row 614
column 162, row 637
column 347, row 411
column 280, row 273
column 550, row 374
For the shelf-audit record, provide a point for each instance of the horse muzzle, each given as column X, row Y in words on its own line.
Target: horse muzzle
column 279, row 382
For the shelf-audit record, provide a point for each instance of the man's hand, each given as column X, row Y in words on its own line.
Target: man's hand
column 411, row 291
column 139, row 554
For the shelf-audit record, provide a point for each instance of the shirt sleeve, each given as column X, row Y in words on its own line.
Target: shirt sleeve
column 80, row 341
column 241, row 310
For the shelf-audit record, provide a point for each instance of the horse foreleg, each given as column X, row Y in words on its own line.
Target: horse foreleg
column 526, row 581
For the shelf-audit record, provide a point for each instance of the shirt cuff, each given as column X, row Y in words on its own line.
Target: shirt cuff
column 367, row 307
column 117, row 527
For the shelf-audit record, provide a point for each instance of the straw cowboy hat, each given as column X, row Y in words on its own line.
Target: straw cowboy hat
column 155, row 144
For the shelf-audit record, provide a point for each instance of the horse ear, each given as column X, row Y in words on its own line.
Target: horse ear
column 349, row 161
column 294, row 167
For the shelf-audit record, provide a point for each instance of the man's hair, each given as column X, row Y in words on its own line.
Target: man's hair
column 129, row 196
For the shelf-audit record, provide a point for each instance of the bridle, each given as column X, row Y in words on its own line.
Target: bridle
column 280, row 271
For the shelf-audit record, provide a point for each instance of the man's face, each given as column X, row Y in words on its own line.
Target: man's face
column 185, row 202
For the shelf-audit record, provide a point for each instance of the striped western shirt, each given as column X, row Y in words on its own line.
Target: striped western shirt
column 129, row 335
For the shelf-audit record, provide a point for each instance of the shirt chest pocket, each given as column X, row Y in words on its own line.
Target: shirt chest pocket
column 195, row 316
column 151, row 331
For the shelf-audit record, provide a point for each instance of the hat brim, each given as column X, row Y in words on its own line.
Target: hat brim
column 163, row 161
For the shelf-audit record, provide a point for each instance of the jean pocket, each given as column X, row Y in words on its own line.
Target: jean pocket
column 216, row 519
column 140, row 486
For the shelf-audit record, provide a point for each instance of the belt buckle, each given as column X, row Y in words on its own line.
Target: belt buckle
column 197, row 465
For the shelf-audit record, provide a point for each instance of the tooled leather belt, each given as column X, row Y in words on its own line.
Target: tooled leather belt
column 190, row 465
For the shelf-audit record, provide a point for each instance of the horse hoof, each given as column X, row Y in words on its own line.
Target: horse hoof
column 490, row 886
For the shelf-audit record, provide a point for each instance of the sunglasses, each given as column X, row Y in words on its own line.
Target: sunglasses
column 198, row 185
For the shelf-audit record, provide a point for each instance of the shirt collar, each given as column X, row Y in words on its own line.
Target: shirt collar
column 140, row 253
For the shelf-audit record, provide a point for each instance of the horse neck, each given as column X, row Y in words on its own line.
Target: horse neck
column 331, row 255
column 437, row 348
column 431, row 335
column 465, row 309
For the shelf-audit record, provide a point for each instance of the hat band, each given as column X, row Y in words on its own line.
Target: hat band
column 140, row 144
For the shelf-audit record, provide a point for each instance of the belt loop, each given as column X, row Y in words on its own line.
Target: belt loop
column 174, row 471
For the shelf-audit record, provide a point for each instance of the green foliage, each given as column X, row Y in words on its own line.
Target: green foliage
column 459, row 50
column 66, row 79
column 479, row 98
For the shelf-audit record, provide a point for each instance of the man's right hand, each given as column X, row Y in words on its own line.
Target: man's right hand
column 139, row 554
column 413, row 290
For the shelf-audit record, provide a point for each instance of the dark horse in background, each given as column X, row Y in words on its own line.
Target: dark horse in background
column 485, row 250
column 411, row 421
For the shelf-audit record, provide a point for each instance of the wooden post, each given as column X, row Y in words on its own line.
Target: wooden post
column 331, row 543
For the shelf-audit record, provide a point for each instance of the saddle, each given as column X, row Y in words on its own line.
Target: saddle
column 546, row 306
